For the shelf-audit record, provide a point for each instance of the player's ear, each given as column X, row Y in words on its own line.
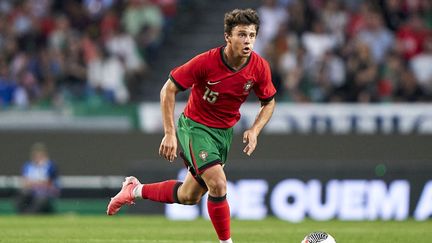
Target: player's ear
column 227, row 37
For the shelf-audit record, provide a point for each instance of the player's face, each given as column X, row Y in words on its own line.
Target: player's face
column 242, row 39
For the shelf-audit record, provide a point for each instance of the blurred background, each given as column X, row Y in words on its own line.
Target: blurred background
column 350, row 137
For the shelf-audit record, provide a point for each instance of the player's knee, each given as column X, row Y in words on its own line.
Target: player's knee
column 217, row 187
column 188, row 197
column 191, row 199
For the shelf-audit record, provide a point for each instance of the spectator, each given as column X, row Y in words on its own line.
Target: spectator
column 73, row 81
column 362, row 74
column 376, row 36
column 105, row 75
column 409, row 90
column 427, row 13
column 58, row 37
column 271, row 16
column 329, row 74
column 297, row 80
column 169, row 10
column 123, row 45
column 411, row 37
column 335, row 19
column 144, row 20
column 357, row 19
column 318, row 41
column 390, row 74
column 394, row 14
column 28, row 91
column 7, row 85
column 39, row 183
column 421, row 65
column 300, row 15
column 97, row 8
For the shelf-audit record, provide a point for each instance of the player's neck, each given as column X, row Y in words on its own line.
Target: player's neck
column 236, row 62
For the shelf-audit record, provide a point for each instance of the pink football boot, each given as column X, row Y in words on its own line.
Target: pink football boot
column 125, row 196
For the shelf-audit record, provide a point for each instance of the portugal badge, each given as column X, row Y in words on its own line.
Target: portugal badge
column 248, row 85
column 203, row 155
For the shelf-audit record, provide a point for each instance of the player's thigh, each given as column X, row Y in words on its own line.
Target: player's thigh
column 215, row 179
column 190, row 191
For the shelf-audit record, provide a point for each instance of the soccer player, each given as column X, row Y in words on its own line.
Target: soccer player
column 220, row 81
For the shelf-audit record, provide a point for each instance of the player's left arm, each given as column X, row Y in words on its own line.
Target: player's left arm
column 250, row 136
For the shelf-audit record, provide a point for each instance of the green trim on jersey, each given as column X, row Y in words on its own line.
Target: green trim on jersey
column 203, row 146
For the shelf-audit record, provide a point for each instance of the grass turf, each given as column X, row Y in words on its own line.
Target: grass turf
column 76, row 228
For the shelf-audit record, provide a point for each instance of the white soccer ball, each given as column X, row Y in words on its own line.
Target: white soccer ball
column 318, row 237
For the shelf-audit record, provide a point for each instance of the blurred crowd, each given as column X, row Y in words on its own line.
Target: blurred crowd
column 53, row 51
column 348, row 50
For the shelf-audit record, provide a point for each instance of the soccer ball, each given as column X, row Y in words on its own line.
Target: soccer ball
column 318, row 237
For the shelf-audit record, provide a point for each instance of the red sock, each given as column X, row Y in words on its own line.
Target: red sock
column 165, row 191
column 219, row 212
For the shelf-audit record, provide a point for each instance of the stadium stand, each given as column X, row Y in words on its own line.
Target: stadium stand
column 60, row 53
column 348, row 51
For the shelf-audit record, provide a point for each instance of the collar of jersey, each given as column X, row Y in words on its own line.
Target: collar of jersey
column 226, row 63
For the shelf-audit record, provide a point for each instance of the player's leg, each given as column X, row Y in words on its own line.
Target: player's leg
column 205, row 149
column 217, row 204
column 164, row 191
column 190, row 192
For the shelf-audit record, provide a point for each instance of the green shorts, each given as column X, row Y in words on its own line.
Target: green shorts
column 202, row 146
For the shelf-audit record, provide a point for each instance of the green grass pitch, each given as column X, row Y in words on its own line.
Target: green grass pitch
column 122, row 228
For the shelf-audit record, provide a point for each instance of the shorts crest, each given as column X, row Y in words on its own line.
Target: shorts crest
column 203, row 155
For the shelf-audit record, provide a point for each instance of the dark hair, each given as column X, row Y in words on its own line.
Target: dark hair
column 241, row 17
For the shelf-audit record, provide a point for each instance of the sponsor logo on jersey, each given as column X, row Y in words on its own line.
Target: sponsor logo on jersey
column 213, row 83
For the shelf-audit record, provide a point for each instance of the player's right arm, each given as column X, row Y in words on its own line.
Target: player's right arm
column 180, row 78
column 168, row 146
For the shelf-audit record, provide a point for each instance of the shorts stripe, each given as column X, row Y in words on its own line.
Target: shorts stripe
column 191, row 170
column 193, row 157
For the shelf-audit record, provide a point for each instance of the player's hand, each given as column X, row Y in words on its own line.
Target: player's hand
column 250, row 138
column 168, row 147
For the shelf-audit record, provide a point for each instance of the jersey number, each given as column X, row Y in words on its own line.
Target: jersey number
column 210, row 96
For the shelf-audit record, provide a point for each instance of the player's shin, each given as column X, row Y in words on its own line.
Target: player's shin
column 219, row 213
column 165, row 191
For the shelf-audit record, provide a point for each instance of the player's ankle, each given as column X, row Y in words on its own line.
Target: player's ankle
column 137, row 191
column 226, row 241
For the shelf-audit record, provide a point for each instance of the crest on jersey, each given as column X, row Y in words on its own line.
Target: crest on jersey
column 248, row 85
column 203, row 155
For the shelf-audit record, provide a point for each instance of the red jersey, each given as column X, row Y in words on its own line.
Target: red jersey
column 218, row 90
column 411, row 40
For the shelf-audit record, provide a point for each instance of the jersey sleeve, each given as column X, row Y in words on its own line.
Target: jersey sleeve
column 189, row 73
column 265, row 90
